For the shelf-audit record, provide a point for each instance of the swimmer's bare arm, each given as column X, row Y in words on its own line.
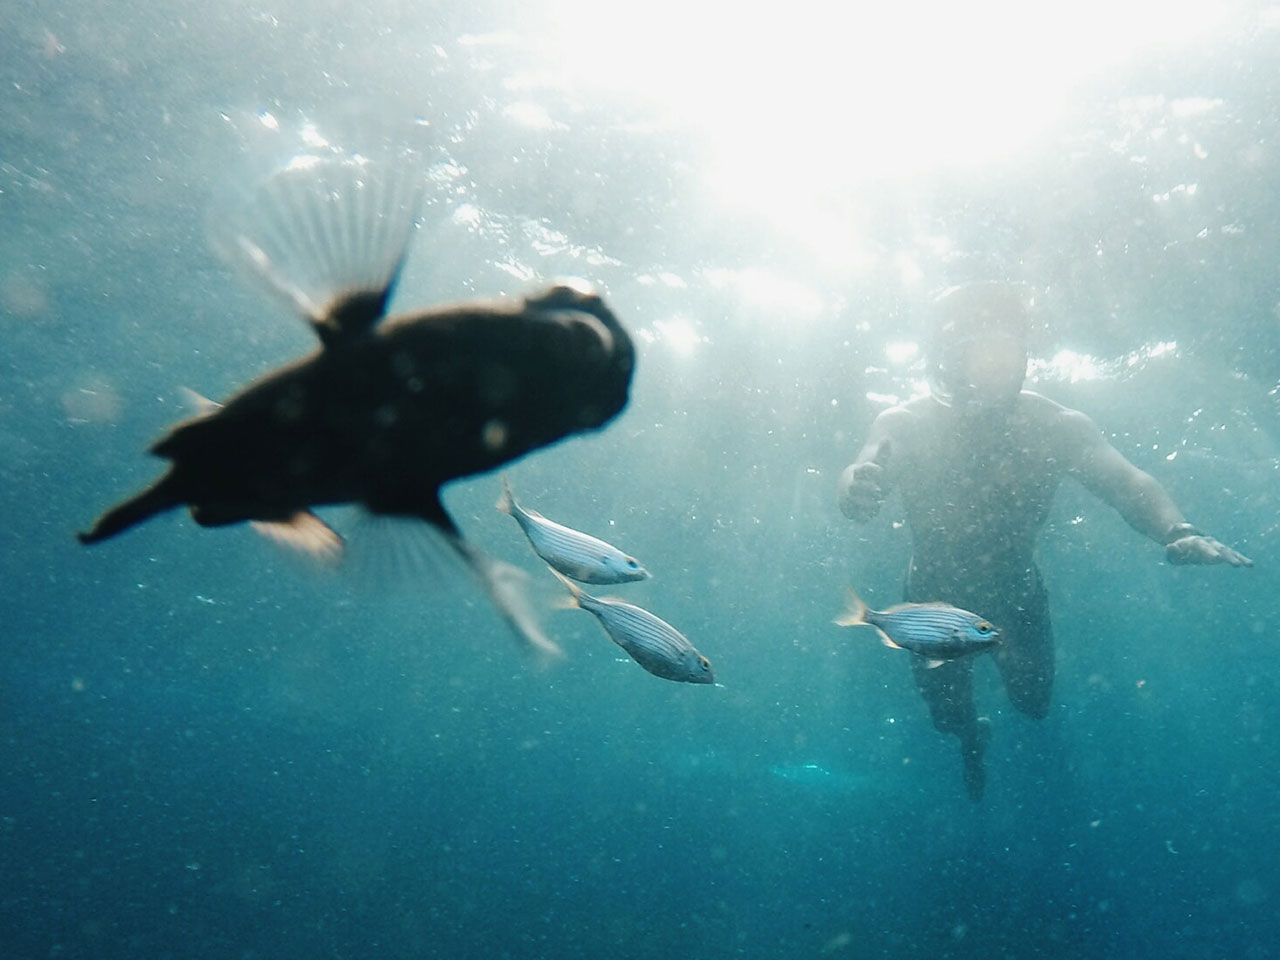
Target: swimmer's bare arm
column 866, row 482
column 1139, row 498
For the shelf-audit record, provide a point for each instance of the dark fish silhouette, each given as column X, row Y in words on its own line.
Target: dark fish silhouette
column 386, row 411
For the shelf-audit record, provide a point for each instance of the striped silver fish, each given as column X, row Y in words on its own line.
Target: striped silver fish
column 650, row 641
column 936, row 631
column 571, row 552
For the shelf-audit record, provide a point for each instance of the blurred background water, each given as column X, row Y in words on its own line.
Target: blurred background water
column 210, row 752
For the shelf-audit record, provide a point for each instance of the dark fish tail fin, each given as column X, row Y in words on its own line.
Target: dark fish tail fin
column 328, row 231
column 157, row 498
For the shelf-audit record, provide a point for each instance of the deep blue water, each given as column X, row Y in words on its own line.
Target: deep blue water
column 210, row 751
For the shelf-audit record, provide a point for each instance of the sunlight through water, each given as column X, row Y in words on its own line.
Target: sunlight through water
column 791, row 100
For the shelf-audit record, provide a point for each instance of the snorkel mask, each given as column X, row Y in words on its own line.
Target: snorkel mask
column 980, row 345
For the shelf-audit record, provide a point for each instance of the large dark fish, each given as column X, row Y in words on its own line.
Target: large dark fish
column 386, row 411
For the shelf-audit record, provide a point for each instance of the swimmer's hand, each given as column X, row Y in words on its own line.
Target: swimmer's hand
column 1196, row 547
column 865, row 486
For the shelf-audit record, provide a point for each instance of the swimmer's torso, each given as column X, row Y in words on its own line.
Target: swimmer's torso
column 977, row 493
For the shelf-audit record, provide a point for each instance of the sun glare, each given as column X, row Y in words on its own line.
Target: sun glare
column 902, row 352
column 796, row 100
column 677, row 333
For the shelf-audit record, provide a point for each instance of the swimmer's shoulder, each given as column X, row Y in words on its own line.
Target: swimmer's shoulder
column 1041, row 411
column 906, row 418
column 910, row 426
column 916, row 410
column 1057, row 423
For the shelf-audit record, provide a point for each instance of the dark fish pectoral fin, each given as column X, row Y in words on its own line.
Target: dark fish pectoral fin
column 157, row 498
column 504, row 585
column 305, row 533
column 433, row 511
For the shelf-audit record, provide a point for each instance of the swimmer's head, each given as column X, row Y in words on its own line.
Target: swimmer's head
column 981, row 340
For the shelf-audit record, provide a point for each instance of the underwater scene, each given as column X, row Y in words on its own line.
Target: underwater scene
column 681, row 480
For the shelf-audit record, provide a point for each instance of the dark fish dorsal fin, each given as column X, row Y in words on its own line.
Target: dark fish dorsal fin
column 353, row 314
column 328, row 232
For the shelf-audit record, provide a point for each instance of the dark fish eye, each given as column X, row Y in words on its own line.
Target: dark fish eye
column 985, row 627
column 631, row 563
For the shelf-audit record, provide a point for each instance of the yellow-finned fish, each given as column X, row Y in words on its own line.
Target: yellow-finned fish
column 936, row 631
column 575, row 554
column 649, row 640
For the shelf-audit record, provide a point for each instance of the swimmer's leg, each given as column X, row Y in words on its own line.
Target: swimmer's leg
column 1025, row 658
column 948, row 692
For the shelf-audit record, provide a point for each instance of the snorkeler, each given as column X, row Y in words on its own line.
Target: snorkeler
column 978, row 462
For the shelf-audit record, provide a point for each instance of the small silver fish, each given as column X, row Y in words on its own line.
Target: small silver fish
column 936, row 631
column 571, row 552
column 650, row 641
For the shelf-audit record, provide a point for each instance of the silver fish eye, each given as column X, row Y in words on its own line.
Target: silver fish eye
column 985, row 627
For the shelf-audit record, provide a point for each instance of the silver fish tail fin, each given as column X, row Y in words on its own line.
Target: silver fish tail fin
column 328, row 231
column 157, row 498
column 506, row 500
column 858, row 614
column 576, row 593
column 855, row 614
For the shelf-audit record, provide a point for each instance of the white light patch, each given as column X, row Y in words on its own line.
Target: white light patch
column 520, row 271
column 531, row 115
column 311, row 137
column 767, row 290
column 801, row 106
column 268, row 120
column 902, row 352
column 467, row 215
column 909, row 269
column 1073, row 367
column 1194, row 106
column 678, row 334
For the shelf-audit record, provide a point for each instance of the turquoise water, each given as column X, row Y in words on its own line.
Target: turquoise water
column 210, row 751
